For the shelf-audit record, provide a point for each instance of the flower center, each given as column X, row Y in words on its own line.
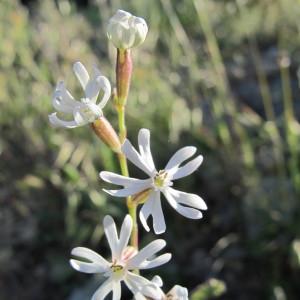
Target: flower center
column 161, row 180
column 117, row 269
column 160, row 177
column 88, row 113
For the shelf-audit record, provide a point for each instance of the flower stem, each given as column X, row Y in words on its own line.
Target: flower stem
column 132, row 206
column 123, row 74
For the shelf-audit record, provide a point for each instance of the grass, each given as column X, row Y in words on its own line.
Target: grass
column 220, row 75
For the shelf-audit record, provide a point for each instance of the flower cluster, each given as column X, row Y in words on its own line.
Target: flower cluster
column 127, row 31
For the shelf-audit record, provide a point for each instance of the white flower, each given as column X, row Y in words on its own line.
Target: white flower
column 86, row 110
column 126, row 31
column 158, row 182
column 176, row 293
column 124, row 258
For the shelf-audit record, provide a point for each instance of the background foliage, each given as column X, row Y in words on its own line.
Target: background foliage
column 220, row 75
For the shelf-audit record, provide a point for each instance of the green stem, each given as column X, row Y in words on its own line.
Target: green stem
column 122, row 126
column 132, row 207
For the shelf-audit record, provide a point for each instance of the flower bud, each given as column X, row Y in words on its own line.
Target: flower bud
column 126, row 31
column 123, row 73
column 106, row 133
column 141, row 197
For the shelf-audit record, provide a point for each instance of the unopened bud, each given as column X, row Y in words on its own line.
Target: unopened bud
column 126, row 31
column 141, row 197
column 107, row 134
column 123, row 73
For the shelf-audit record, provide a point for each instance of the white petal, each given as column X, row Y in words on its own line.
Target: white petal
column 153, row 207
column 97, row 263
column 178, row 292
column 96, row 71
column 112, row 236
column 125, row 234
column 81, row 74
column 103, row 290
column 135, row 157
column 56, row 122
column 93, row 89
column 180, row 156
column 189, row 168
column 192, row 200
column 160, row 260
column 159, row 225
column 157, row 280
column 118, row 179
column 116, row 290
column 129, row 191
column 136, row 261
column 141, row 286
column 84, row 267
column 188, row 212
column 144, row 147
column 105, row 85
column 139, row 296
column 147, row 209
column 62, row 100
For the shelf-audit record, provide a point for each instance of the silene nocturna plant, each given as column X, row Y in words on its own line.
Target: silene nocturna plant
column 126, row 31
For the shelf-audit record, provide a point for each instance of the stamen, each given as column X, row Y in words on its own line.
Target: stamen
column 160, row 178
column 117, row 269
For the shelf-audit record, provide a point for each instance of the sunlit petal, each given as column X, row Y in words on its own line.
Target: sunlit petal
column 97, row 263
column 56, row 122
column 120, row 180
column 97, row 72
column 125, row 234
column 128, row 191
column 147, row 252
column 62, row 100
column 111, row 235
column 187, row 212
column 103, row 290
column 157, row 280
column 144, row 147
column 147, row 209
column 159, row 224
column 81, row 74
column 135, row 157
column 178, row 292
column 192, row 200
column 188, row 168
column 116, row 290
column 106, row 87
column 93, row 88
column 141, row 286
column 180, row 156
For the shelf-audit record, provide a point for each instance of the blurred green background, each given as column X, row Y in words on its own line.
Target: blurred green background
column 220, row 75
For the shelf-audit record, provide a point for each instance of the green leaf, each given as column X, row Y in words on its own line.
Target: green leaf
column 208, row 290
